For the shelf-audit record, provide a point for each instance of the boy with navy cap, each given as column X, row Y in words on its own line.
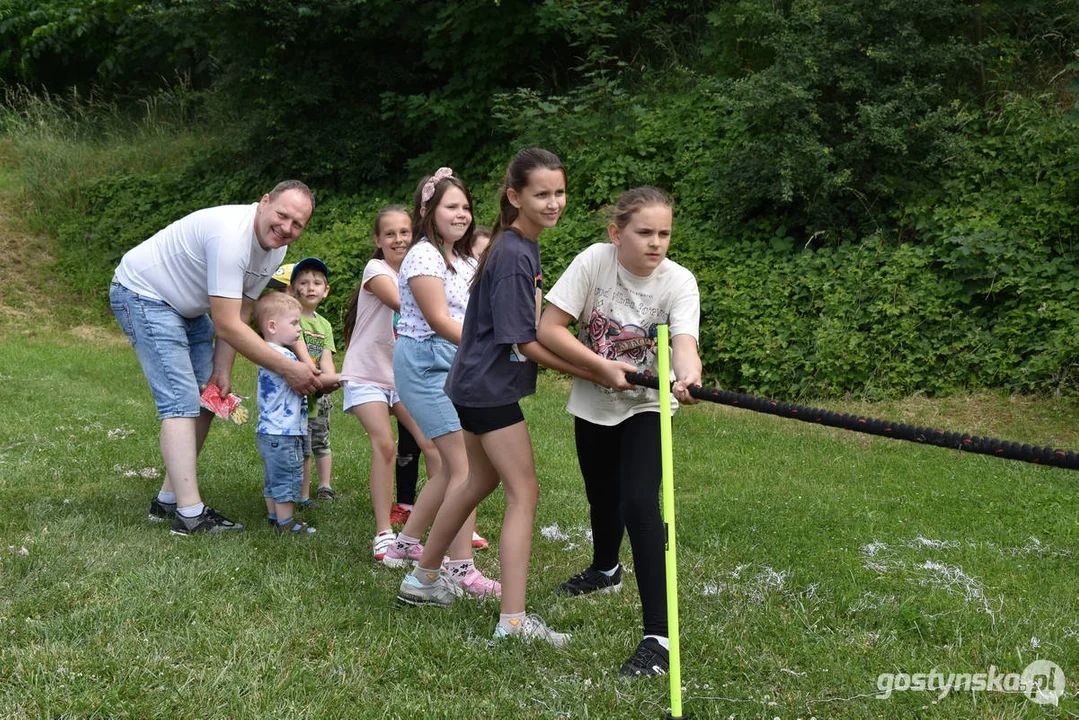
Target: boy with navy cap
column 309, row 283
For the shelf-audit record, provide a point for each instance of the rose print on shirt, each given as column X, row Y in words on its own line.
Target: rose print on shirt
column 629, row 343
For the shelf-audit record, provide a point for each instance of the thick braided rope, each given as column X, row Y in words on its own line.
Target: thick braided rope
column 885, row 428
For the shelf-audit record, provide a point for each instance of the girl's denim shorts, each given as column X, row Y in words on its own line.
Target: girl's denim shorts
column 420, row 368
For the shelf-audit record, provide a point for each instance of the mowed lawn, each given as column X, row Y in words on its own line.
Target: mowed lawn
column 811, row 561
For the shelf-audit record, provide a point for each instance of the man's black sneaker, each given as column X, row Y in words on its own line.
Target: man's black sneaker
column 210, row 522
column 161, row 512
column 651, row 659
column 590, row 581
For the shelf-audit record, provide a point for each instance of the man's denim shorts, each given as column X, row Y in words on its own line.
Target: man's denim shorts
column 176, row 353
column 282, row 461
column 420, row 368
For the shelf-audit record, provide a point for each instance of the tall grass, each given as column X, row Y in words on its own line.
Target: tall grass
column 57, row 146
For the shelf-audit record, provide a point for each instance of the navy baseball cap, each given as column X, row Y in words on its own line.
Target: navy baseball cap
column 309, row 263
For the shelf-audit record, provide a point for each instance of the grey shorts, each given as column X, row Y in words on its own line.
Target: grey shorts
column 318, row 430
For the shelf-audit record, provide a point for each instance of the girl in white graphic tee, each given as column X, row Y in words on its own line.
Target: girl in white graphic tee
column 619, row 292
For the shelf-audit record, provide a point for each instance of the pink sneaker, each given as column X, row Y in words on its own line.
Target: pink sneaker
column 395, row 558
column 480, row 586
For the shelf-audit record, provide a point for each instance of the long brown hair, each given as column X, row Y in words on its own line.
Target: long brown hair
column 423, row 218
column 350, row 311
column 517, row 174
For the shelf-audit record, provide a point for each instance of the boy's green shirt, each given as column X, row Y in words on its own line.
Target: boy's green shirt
column 318, row 335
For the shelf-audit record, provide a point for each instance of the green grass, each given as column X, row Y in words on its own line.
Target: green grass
column 810, row 561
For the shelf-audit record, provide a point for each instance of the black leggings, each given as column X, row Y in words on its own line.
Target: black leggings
column 408, row 466
column 622, row 475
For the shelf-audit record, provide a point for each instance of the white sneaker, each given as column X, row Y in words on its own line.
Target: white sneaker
column 441, row 592
column 381, row 543
column 532, row 627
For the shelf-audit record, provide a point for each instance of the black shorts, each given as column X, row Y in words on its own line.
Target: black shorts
column 488, row 419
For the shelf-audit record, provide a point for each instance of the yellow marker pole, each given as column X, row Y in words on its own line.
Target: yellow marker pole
column 667, row 459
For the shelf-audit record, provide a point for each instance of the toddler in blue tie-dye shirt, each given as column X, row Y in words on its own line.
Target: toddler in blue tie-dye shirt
column 282, row 424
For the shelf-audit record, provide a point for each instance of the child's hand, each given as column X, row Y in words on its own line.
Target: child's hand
column 681, row 389
column 613, row 375
column 330, row 382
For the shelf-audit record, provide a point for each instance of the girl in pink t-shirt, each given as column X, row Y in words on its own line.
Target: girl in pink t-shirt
column 367, row 371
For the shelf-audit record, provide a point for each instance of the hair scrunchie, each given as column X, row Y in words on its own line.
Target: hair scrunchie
column 428, row 190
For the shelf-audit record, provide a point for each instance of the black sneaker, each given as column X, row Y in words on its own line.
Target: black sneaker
column 590, row 581
column 325, row 494
column 650, row 659
column 210, row 522
column 161, row 512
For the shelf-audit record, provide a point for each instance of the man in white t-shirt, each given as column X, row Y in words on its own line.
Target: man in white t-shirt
column 213, row 262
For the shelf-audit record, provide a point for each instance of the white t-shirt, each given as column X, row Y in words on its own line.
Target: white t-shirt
column 209, row 252
column 424, row 259
column 369, row 356
column 618, row 312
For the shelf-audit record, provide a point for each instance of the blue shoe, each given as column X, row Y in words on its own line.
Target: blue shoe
column 294, row 527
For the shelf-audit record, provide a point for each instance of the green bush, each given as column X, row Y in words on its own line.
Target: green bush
column 877, row 198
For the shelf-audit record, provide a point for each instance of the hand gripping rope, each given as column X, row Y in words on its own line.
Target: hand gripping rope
column 885, row 428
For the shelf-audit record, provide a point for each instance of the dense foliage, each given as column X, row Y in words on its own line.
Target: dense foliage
column 877, row 197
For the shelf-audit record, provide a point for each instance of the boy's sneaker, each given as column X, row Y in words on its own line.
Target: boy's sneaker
column 532, row 627
column 479, row 542
column 210, row 522
column 650, row 659
column 161, row 512
column 381, row 542
column 395, row 558
column 478, row 585
column 590, row 581
column 399, row 515
column 441, row 592
column 305, row 504
column 325, row 494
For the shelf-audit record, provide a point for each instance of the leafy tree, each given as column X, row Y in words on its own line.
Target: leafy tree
column 125, row 48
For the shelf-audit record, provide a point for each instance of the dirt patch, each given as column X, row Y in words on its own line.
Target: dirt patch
column 99, row 336
column 25, row 255
column 34, row 298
